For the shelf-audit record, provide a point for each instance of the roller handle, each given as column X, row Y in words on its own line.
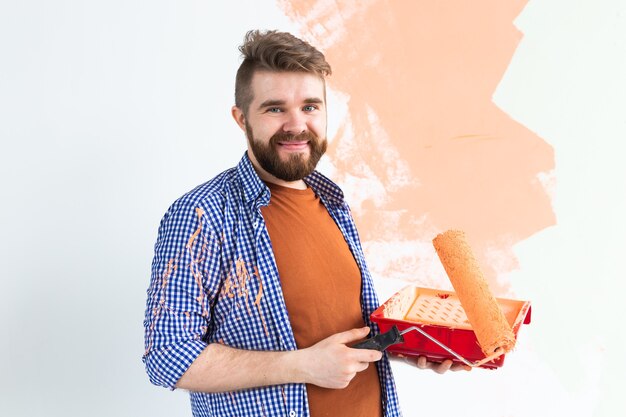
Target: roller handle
column 381, row 341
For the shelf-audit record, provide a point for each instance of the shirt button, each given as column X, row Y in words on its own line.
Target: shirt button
column 292, row 413
column 255, row 224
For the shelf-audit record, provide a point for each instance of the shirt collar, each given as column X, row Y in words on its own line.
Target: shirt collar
column 326, row 189
column 255, row 190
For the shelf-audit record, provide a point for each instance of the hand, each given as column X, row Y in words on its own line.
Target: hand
column 331, row 364
column 439, row 367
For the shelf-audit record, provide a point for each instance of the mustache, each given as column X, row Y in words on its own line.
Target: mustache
column 307, row 136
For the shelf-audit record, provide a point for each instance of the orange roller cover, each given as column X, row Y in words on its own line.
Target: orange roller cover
column 492, row 330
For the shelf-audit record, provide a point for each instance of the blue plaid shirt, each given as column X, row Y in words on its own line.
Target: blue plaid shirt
column 215, row 280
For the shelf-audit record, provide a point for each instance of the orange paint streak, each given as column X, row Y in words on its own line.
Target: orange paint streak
column 236, row 285
column 243, row 275
column 421, row 122
column 171, row 267
column 257, row 302
column 192, row 238
column 193, row 265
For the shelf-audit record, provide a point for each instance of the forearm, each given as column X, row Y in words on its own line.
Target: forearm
column 221, row 368
column 330, row 363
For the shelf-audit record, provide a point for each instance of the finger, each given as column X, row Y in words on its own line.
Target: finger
column 394, row 356
column 397, row 357
column 362, row 366
column 422, row 362
column 351, row 377
column 366, row 355
column 460, row 367
column 443, row 367
column 351, row 335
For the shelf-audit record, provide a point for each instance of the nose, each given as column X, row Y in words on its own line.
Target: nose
column 295, row 123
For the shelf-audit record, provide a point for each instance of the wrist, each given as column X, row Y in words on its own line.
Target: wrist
column 295, row 366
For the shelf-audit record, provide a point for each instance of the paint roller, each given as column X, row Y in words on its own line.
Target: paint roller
column 493, row 332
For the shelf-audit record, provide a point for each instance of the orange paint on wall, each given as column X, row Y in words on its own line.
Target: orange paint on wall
column 421, row 123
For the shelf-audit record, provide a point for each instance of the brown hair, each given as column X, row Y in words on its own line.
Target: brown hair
column 274, row 51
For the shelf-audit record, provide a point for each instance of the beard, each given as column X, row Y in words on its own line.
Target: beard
column 297, row 166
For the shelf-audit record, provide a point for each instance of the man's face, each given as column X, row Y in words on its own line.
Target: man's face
column 286, row 123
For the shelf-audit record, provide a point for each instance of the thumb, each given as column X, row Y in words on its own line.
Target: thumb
column 352, row 335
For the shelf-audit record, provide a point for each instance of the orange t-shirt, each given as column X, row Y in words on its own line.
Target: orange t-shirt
column 321, row 284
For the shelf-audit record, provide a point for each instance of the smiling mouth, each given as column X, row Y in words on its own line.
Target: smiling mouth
column 294, row 146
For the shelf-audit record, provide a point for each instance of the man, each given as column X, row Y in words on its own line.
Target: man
column 259, row 285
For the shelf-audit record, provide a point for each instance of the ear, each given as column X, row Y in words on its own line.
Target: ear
column 239, row 117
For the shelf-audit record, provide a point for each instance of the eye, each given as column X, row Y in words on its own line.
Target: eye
column 274, row 110
column 309, row 108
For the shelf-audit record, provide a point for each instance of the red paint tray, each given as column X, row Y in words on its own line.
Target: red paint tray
column 442, row 329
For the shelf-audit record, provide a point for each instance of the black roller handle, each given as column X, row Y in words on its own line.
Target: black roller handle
column 381, row 341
